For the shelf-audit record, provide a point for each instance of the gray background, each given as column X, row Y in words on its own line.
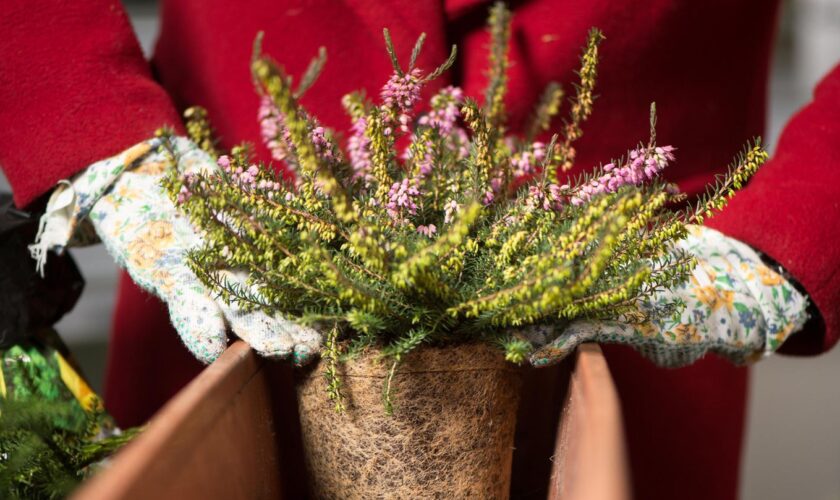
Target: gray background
column 793, row 443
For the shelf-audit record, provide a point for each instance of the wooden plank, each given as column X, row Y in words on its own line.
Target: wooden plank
column 216, row 440
column 213, row 440
column 590, row 459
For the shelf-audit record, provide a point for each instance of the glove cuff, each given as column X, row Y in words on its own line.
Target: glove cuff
column 64, row 222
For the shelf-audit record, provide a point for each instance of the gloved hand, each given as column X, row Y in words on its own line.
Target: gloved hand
column 735, row 306
column 141, row 228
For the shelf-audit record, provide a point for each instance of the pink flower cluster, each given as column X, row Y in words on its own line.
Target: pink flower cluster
column 401, row 198
column 643, row 165
column 427, row 231
column 323, row 147
column 449, row 211
column 247, row 178
column 358, row 147
column 187, row 183
column 551, row 200
column 526, row 162
column 489, row 197
column 426, row 163
column 444, row 118
column 273, row 129
column 446, row 110
column 276, row 137
column 400, row 94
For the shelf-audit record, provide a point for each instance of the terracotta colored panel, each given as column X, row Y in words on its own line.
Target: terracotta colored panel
column 590, row 460
column 214, row 440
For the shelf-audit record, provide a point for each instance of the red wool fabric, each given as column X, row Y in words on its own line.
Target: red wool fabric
column 74, row 89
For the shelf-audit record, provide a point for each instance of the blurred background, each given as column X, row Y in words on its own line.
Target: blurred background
column 793, row 440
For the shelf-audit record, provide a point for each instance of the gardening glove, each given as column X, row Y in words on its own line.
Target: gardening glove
column 126, row 206
column 735, row 306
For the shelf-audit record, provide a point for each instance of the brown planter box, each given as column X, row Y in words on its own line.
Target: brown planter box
column 224, row 436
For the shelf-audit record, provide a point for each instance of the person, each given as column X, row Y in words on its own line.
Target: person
column 75, row 89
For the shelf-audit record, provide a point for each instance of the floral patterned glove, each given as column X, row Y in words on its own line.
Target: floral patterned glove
column 132, row 215
column 735, row 306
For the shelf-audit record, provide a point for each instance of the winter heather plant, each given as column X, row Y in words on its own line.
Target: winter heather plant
column 462, row 235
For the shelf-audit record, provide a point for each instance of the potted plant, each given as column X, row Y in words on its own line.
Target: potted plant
column 429, row 252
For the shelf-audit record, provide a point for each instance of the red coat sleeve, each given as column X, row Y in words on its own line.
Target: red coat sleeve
column 791, row 212
column 74, row 89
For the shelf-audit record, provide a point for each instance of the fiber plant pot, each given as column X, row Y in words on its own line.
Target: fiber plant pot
column 450, row 434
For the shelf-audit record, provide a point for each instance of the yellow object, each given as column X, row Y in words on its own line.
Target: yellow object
column 76, row 384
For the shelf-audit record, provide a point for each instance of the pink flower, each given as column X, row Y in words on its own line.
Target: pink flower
column 277, row 138
column 552, row 199
column 358, row 146
column 488, row 198
column 426, row 163
column 449, row 211
column 323, row 147
column 401, row 199
column 427, row 230
column 446, row 110
column 526, row 162
column 642, row 165
column 444, row 116
column 400, row 94
column 183, row 195
column 273, row 129
column 188, row 181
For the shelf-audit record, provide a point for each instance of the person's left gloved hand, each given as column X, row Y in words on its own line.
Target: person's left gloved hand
column 735, row 306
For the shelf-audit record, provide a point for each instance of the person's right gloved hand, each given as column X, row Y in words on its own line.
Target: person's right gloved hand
column 141, row 228
column 732, row 305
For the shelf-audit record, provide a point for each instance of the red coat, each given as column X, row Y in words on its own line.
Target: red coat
column 74, row 88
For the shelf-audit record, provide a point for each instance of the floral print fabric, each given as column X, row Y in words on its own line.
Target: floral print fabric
column 734, row 305
column 141, row 228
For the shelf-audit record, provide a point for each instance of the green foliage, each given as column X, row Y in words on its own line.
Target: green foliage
column 48, row 447
column 494, row 95
column 344, row 251
column 581, row 105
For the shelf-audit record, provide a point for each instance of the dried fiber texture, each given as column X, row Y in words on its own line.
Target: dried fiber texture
column 450, row 436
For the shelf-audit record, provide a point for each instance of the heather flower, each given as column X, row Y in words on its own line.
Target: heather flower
column 429, row 230
column 358, row 148
column 489, row 195
column 488, row 198
column 245, row 178
column 401, row 199
column 459, row 142
column 399, row 95
column 277, row 138
column 324, row 148
column 643, row 164
column 188, row 181
column 183, row 195
column 550, row 199
column 273, row 129
column 443, row 117
column 526, row 162
column 426, row 162
column 446, row 110
column 449, row 211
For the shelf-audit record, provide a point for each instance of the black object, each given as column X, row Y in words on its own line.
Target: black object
column 29, row 302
